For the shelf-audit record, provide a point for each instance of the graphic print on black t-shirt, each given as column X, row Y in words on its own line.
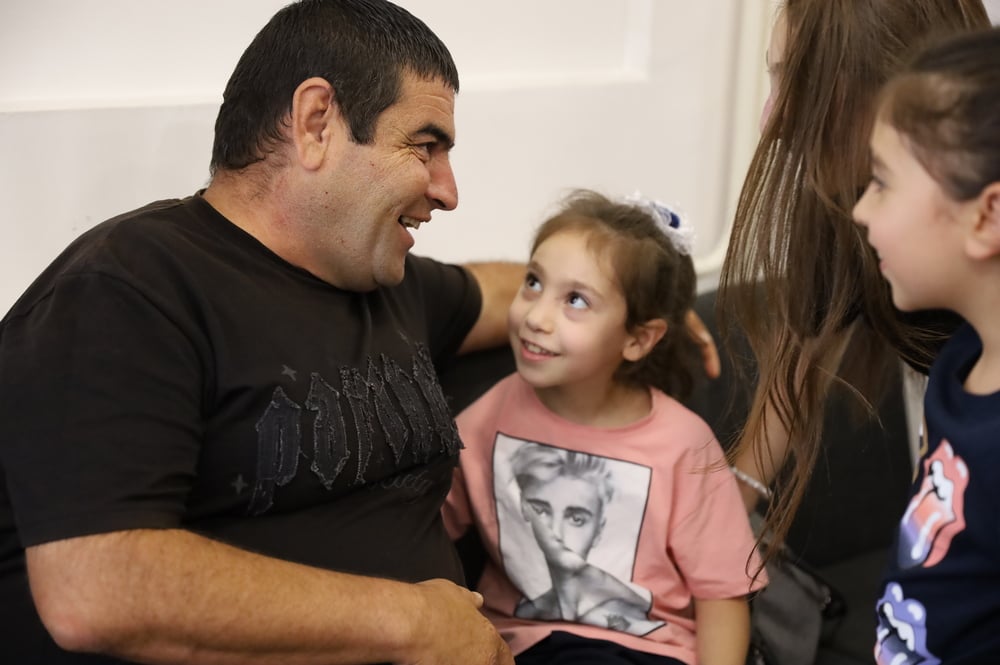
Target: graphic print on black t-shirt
column 568, row 529
column 936, row 513
column 404, row 410
column 934, row 516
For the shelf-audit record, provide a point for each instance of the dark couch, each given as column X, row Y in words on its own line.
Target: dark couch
column 851, row 507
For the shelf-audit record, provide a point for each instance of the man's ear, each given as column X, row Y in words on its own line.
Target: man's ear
column 315, row 116
column 983, row 241
column 643, row 339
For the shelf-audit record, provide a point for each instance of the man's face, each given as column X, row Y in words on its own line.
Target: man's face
column 370, row 197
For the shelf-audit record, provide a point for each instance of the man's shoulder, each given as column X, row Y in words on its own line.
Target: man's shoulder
column 152, row 224
column 115, row 237
column 119, row 248
column 432, row 274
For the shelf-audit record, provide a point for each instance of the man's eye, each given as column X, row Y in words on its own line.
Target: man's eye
column 423, row 150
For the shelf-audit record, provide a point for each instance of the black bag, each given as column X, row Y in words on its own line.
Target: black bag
column 791, row 614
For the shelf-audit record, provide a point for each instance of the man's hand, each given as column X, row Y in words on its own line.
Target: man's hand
column 454, row 632
column 709, row 353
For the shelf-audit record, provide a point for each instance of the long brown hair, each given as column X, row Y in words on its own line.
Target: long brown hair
column 799, row 280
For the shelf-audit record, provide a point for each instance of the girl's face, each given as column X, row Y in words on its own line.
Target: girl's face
column 912, row 224
column 775, row 59
column 567, row 322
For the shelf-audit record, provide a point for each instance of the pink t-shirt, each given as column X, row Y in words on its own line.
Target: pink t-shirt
column 604, row 533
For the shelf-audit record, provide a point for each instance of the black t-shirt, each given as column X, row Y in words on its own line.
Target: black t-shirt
column 169, row 371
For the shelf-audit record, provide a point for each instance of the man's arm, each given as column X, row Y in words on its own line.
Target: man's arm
column 171, row 596
column 703, row 338
column 498, row 283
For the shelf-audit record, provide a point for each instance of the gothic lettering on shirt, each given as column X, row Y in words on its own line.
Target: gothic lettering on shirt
column 408, row 409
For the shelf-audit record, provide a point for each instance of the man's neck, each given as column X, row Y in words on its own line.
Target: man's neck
column 243, row 200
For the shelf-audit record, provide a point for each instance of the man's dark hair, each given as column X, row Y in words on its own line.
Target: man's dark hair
column 361, row 47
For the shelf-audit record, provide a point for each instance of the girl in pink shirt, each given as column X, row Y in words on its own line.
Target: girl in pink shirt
column 614, row 530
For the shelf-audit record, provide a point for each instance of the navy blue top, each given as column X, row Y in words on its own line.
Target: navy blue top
column 941, row 598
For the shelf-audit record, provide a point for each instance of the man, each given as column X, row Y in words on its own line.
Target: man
column 223, row 439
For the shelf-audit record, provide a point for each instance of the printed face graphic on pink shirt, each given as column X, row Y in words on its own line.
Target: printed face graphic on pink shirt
column 554, row 507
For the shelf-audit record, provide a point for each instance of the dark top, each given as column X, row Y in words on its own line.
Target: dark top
column 168, row 370
column 941, row 599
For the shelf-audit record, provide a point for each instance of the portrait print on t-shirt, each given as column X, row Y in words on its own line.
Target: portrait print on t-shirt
column 568, row 529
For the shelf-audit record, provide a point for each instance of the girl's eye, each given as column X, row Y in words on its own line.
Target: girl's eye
column 576, row 301
column 532, row 283
column 876, row 184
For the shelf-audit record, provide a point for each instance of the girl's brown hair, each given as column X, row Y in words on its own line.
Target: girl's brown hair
column 657, row 281
column 799, row 280
column 947, row 105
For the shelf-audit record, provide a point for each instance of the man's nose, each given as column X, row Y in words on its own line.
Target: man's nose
column 442, row 189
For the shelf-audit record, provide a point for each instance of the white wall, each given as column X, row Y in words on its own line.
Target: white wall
column 108, row 104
